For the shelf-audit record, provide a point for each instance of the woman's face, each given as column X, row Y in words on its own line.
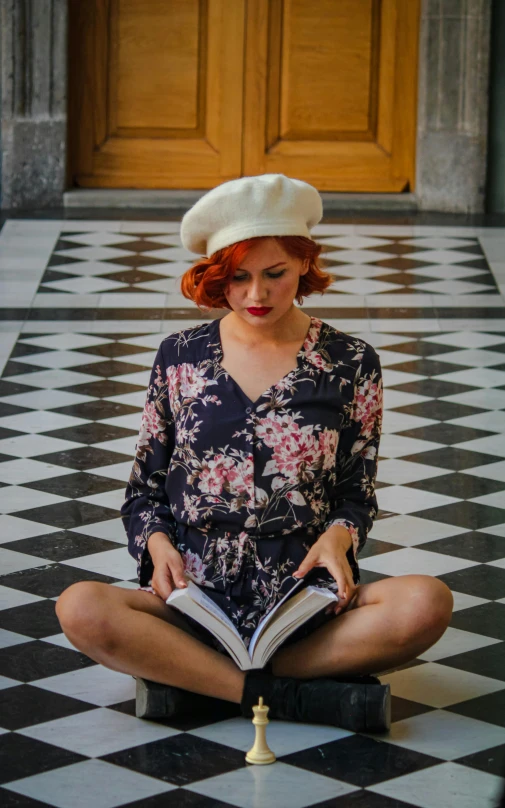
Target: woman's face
column 264, row 287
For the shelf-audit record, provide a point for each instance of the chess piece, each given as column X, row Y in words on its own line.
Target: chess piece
column 260, row 752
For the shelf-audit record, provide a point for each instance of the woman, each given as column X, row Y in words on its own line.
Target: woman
column 256, row 464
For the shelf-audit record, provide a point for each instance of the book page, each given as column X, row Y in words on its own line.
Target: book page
column 195, row 603
column 292, row 614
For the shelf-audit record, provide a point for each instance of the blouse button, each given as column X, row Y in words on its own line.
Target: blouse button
column 248, row 410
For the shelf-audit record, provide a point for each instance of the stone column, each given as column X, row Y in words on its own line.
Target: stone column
column 453, row 105
column 33, row 112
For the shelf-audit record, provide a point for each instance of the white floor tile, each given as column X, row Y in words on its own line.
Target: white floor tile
column 46, row 399
column 444, row 734
column 464, row 601
column 101, row 238
column 398, row 445
column 115, row 563
column 60, row 359
column 54, row 378
column 474, row 377
column 10, row 598
column 54, row 342
column 488, row 399
column 401, row 472
column 32, row 445
column 17, row 498
column 412, row 561
column 391, row 377
column 91, row 782
column 492, row 445
column 108, row 499
column 122, row 445
column 6, row 682
column 94, row 684
column 450, row 785
column 117, row 471
column 276, row 785
column 23, row 470
column 112, row 529
column 493, row 421
column 455, row 641
column 440, row 685
column 236, row 732
column 400, row 421
column 410, row 531
column 472, row 357
column 11, row 638
column 13, row 527
column 130, row 421
column 402, row 499
column 95, row 254
column 490, row 471
column 11, row 561
column 39, row 421
column 467, row 339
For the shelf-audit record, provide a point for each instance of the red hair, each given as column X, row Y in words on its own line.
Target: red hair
column 206, row 281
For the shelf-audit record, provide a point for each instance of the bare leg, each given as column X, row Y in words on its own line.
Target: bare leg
column 135, row 632
column 390, row 622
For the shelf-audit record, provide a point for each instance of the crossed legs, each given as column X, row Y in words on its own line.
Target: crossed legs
column 389, row 623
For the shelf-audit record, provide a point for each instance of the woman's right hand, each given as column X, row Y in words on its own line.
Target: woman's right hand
column 168, row 566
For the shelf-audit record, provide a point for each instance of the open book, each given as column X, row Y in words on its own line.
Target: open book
column 292, row 611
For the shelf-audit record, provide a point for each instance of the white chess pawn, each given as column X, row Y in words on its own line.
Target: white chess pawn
column 260, row 752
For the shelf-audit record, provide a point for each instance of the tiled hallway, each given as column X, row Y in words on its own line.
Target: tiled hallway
column 83, row 306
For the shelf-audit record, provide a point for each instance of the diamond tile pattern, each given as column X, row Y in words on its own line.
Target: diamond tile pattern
column 70, row 405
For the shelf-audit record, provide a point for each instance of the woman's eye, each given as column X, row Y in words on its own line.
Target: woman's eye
column 276, row 274
column 239, row 277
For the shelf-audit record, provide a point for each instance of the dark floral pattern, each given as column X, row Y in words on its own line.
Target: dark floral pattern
column 243, row 489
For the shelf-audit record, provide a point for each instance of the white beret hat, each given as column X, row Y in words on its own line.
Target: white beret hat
column 250, row 207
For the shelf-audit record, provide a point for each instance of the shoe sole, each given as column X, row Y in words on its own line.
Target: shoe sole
column 153, row 700
column 378, row 708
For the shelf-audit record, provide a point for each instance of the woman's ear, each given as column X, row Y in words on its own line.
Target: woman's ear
column 305, row 266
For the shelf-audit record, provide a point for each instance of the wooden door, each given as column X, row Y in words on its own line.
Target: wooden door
column 155, row 91
column 330, row 92
column 191, row 93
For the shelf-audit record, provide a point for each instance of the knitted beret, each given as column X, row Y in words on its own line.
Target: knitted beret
column 264, row 205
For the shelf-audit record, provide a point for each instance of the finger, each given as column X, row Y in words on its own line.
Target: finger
column 177, row 570
column 163, row 583
column 339, row 575
column 306, row 565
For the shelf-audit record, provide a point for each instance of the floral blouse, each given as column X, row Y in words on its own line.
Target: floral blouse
column 244, row 488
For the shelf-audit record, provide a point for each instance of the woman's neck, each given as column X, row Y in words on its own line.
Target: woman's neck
column 290, row 328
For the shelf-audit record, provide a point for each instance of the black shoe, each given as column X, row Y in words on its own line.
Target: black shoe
column 154, row 700
column 357, row 703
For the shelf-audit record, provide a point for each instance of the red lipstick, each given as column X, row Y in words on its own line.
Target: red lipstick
column 259, row 312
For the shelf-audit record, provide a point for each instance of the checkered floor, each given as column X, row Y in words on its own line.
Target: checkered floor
column 430, row 301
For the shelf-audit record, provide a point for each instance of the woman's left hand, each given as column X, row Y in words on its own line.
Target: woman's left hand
column 330, row 551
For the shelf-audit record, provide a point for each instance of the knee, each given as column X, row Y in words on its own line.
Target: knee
column 428, row 607
column 83, row 614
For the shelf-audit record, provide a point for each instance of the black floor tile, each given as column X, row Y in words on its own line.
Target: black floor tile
column 26, row 705
column 445, row 433
column 404, row 708
column 84, row 457
column 10, row 799
column 179, row 798
column 9, row 433
column 49, row 581
column 98, row 410
column 24, row 757
column 474, row 546
column 360, row 761
column 11, row 409
column 464, row 486
column 487, row 619
column 427, row 367
column 181, row 759
column 489, row 760
column 73, row 513
column 472, row 515
column 94, row 432
column 32, row 620
column 489, row 661
column 110, row 368
column 433, row 388
column 490, row 708
column 482, row 581
column 105, row 388
column 61, row 546
column 450, row 457
column 38, row 659
column 80, row 484
column 111, row 350
column 439, row 410
column 362, row 799
column 375, row 547
column 14, row 388
column 133, row 276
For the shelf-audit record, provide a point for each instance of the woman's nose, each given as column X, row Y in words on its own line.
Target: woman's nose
column 257, row 290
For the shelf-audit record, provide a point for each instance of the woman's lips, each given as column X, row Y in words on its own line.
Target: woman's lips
column 259, row 312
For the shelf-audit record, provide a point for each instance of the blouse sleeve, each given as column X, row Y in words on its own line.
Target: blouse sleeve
column 354, row 500
column 146, row 509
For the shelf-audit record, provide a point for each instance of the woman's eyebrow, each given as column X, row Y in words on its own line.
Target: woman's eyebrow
column 264, row 270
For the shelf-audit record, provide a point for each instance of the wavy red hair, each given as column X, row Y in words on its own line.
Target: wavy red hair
column 205, row 282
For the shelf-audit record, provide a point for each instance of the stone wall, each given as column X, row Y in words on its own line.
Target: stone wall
column 453, row 105
column 34, row 118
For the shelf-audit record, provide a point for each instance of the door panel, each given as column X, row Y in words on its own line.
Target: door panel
column 156, row 98
column 331, row 92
